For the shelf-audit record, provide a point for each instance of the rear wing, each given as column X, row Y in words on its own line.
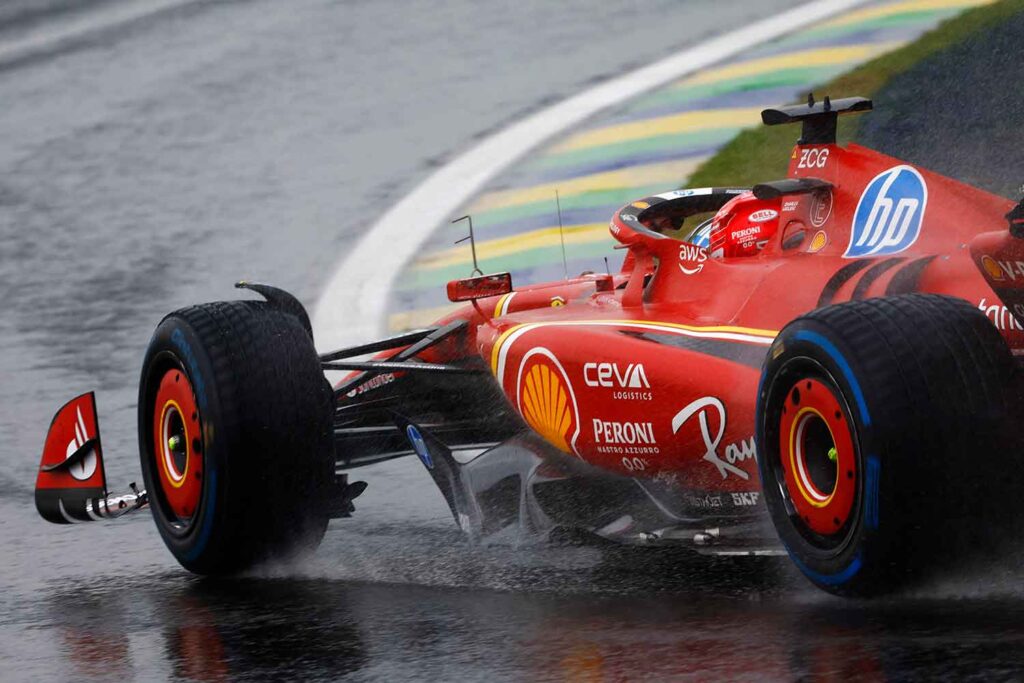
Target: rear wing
column 819, row 119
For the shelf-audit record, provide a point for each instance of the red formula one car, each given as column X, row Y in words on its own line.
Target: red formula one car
column 828, row 370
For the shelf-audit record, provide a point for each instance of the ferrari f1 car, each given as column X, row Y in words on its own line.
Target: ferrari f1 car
column 841, row 389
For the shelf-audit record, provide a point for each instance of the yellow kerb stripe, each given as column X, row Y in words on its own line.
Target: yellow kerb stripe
column 721, row 118
column 672, row 173
column 791, row 60
column 686, row 122
column 513, row 244
column 902, row 8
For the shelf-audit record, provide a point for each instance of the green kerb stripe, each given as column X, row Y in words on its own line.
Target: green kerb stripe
column 704, row 138
column 413, row 279
column 867, row 25
column 763, row 81
column 584, row 200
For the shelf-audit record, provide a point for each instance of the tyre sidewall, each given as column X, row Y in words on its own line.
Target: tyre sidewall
column 809, row 347
column 174, row 344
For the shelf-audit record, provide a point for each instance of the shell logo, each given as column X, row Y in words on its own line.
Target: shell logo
column 992, row 268
column 818, row 242
column 546, row 400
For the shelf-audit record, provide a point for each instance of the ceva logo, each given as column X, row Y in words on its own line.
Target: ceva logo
column 889, row 214
column 609, row 375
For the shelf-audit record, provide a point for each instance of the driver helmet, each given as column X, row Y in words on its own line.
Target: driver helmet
column 743, row 226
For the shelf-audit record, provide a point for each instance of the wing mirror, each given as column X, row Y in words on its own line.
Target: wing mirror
column 481, row 287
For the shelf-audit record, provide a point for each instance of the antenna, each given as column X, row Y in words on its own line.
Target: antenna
column 606, row 268
column 561, row 236
column 472, row 242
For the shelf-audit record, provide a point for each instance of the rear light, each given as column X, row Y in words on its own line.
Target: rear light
column 480, row 287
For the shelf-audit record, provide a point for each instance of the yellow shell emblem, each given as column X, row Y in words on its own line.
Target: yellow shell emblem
column 818, row 242
column 992, row 268
column 546, row 402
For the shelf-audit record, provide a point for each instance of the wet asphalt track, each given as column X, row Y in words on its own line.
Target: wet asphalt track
column 149, row 165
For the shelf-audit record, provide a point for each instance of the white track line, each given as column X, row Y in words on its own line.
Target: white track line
column 352, row 308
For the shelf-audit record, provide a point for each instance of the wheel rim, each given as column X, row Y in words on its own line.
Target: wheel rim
column 177, row 440
column 818, row 456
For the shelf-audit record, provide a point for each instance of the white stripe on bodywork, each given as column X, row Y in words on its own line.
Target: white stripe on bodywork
column 654, row 327
column 505, row 303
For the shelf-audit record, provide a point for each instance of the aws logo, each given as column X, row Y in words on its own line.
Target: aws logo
column 889, row 213
column 545, row 399
column 691, row 258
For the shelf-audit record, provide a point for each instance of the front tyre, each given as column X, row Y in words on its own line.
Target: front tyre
column 235, row 436
column 871, row 420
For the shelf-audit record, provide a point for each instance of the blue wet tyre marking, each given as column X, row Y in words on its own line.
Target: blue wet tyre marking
column 195, row 376
column 873, row 466
column 871, row 483
column 837, row 579
column 207, row 529
column 830, row 348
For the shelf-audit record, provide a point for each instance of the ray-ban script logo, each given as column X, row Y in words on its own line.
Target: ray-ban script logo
column 734, row 452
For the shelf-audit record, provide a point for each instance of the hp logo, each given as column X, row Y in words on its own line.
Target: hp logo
column 889, row 214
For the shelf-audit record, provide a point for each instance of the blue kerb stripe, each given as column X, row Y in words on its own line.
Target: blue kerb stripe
column 204, row 533
column 829, row 579
column 871, row 483
column 830, row 349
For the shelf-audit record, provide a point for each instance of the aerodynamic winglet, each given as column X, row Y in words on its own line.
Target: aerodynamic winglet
column 71, row 485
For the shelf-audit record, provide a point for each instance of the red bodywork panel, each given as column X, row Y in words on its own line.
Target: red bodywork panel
column 654, row 371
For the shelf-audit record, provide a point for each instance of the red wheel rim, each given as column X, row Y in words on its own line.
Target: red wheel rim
column 819, row 460
column 177, row 436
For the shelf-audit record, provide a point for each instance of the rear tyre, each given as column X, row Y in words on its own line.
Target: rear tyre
column 235, row 436
column 874, row 420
